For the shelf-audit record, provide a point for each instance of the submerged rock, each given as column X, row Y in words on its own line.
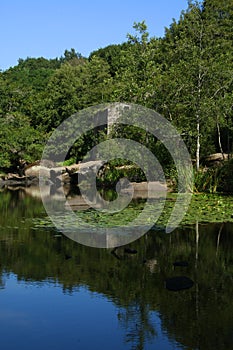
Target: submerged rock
column 152, row 264
column 68, row 257
column 121, row 253
column 130, row 251
column 179, row 283
column 180, row 263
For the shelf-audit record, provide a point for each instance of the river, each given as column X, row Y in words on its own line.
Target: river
column 58, row 294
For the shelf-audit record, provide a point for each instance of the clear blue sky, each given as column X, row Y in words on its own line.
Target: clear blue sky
column 35, row 28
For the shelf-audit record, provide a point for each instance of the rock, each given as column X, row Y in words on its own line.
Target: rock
column 152, row 264
column 179, row 283
column 120, row 252
column 216, row 156
column 91, row 166
column 65, row 178
column 140, row 189
column 37, row 170
column 49, row 171
column 47, row 163
column 72, row 168
column 68, row 257
column 130, row 251
column 16, row 180
column 180, row 263
column 113, row 252
column 215, row 159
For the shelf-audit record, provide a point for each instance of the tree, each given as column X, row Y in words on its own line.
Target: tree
column 196, row 75
column 219, row 16
column 32, row 73
column 18, row 141
column 135, row 79
column 111, row 54
column 98, row 82
column 70, row 54
column 72, row 88
column 74, row 58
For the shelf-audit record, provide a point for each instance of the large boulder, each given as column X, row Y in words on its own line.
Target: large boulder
column 215, row 159
column 37, row 170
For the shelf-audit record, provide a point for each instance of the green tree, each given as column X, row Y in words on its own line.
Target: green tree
column 195, row 76
column 74, row 58
column 32, row 73
column 135, row 79
column 111, row 54
column 74, row 87
column 219, row 16
column 18, row 141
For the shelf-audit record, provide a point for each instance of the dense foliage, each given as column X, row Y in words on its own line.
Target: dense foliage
column 187, row 76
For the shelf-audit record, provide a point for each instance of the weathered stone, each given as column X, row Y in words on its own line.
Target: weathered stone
column 94, row 165
column 140, row 189
column 65, row 178
column 37, row 170
column 216, row 156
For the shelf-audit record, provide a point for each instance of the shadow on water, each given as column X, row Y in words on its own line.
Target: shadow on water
column 133, row 278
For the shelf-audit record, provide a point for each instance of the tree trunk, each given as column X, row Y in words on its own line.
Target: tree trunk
column 198, row 145
column 199, row 90
column 219, row 140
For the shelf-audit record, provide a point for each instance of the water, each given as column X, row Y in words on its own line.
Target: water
column 56, row 293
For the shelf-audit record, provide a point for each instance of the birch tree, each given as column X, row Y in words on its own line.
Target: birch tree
column 199, row 73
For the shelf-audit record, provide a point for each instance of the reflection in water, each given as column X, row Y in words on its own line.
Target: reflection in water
column 137, row 320
column 59, row 294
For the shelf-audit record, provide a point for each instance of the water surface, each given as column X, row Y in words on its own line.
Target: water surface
column 56, row 293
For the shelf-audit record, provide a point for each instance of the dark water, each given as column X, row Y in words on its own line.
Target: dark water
column 57, row 294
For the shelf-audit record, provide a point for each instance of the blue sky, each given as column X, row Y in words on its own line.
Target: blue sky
column 47, row 27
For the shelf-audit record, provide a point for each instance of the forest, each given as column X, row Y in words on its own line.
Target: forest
column 186, row 76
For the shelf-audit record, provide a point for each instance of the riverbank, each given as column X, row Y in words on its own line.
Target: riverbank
column 215, row 176
column 49, row 173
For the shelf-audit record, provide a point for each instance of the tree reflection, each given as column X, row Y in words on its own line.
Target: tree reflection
column 136, row 320
column 199, row 318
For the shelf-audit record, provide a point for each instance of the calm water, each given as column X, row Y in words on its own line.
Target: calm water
column 57, row 294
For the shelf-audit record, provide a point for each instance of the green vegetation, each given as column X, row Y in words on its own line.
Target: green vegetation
column 186, row 76
column 205, row 208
